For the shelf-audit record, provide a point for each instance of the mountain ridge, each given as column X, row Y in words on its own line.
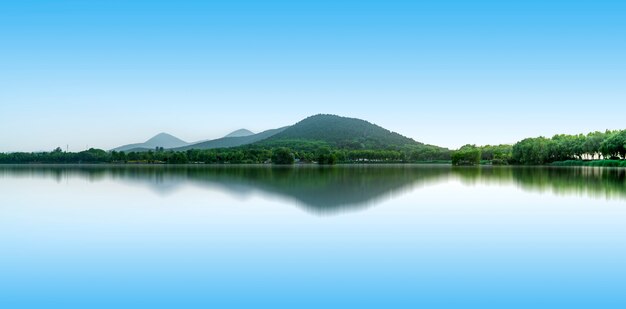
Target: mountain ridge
column 230, row 142
column 162, row 139
column 323, row 130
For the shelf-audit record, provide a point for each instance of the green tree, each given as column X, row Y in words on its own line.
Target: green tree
column 532, row 151
column 466, row 155
column 282, row 155
column 614, row 145
column 178, row 158
column 325, row 156
column 593, row 143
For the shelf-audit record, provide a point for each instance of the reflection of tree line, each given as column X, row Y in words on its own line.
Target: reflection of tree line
column 596, row 182
column 328, row 188
column 315, row 187
column 335, row 188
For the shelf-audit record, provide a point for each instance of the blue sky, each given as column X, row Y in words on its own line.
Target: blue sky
column 105, row 73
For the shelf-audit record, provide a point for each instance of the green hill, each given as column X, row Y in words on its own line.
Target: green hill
column 340, row 132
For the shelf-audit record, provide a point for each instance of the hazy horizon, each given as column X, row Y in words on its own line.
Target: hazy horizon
column 107, row 73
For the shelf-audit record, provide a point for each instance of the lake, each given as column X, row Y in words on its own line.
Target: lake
column 388, row 236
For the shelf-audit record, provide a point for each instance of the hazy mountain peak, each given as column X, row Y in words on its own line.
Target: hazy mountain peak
column 162, row 139
column 240, row 133
column 165, row 140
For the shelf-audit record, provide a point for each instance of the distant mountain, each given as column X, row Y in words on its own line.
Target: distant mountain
column 160, row 140
column 240, row 133
column 227, row 142
column 340, row 132
column 319, row 130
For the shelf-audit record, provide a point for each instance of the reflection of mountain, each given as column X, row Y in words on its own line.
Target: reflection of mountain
column 323, row 189
column 319, row 189
column 329, row 189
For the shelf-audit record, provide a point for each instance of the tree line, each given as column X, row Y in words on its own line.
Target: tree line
column 608, row 145
column 560, row 149
column 240, row 155
column 593, row 146
column 474, row 155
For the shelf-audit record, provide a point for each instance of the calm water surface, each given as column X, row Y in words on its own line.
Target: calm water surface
column 402, row 236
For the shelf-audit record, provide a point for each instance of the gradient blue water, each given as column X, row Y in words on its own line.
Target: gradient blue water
column 77, row 242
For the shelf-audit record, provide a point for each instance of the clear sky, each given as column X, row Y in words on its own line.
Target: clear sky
column 106, row 73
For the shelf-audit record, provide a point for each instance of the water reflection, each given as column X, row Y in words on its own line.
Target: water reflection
column 328, row 189
column 598, row 182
